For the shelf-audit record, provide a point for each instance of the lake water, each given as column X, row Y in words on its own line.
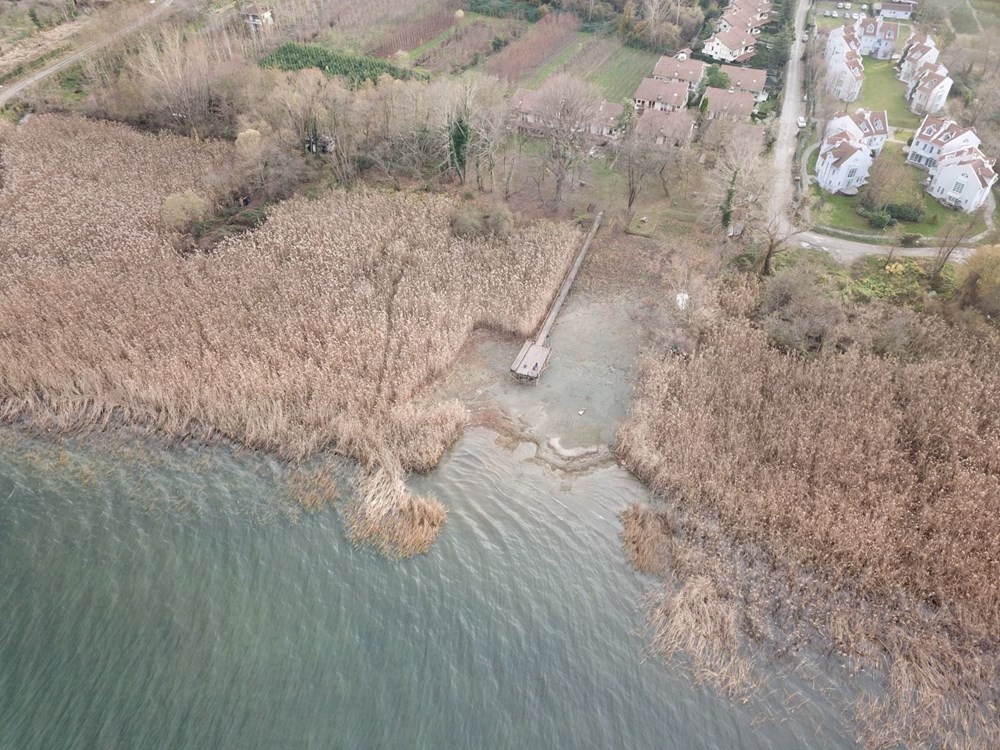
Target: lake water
column 165, row 599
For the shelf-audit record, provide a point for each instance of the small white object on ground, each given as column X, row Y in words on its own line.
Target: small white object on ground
column 581, row 412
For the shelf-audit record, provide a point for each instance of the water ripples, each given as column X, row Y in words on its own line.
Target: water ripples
column 170, row 602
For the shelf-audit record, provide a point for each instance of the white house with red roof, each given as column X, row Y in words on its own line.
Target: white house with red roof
column 919, row 50
column 850, row 145
column 840, row 40
column 896, row 9
column 845, row 75
column 878, row 37
column 960, row 174
column 730, row 46
column 929, row 89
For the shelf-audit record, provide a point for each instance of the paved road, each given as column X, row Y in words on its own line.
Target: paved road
column 791, row 109
column 11, row 90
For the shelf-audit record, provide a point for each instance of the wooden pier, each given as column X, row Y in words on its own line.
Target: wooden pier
column 534, row 355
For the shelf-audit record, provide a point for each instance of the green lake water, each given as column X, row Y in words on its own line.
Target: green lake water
column 165, row 599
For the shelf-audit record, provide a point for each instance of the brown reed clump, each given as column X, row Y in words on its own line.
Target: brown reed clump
column 848, row 502
column 315, row 331
column 645, row 539
column 387, row 516
column 314, row 489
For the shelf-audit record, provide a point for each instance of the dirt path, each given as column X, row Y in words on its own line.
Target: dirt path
column 13, row 89
column 975, row 15
column 33, row 47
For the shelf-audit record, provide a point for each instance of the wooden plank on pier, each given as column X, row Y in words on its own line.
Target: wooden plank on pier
column 550, row 319
column 530, row 361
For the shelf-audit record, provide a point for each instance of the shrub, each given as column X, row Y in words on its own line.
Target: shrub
column 471, row 220
column 314, row 331
column 181, row 210
column 355, row 68
column 905, row 211
column 876, row 219
column 910, row 239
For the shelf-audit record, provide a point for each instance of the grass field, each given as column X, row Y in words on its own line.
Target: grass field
column 614, row 68
column 882, row 90
column 963, row 20
column 989, row 13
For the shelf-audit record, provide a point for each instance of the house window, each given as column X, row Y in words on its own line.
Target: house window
column 959, row 187
column 850, row 175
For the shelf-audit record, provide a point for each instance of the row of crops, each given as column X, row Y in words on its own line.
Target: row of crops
column 355, row 68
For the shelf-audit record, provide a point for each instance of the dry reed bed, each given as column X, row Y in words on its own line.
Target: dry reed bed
column 314, row 332
column 73, row 189
column 849, row 501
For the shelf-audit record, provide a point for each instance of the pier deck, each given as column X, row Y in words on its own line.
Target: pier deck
column 531, row 360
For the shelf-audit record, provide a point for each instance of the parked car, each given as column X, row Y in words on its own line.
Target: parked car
column 826, row 13
column 847, row 6
column 805, row 37
column 801, row 122
column 855, row 16
column 835, row 14
column 864, row 7
column 840, row 5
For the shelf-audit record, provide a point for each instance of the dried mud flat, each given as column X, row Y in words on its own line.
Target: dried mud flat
column 572, row 414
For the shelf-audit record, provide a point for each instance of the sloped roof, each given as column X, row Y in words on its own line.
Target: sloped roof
column 737, row 104
column 734, row 39
column 749, row 79
column 607, row 114
column 872, row 123
column 672, row 93
column 656, row 123
column 672, row 69
column 843, row 151
column 527, row 101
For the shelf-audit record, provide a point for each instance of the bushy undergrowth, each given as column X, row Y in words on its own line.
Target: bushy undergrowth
column 846, row 500
column 355, row 68
column 314, row 331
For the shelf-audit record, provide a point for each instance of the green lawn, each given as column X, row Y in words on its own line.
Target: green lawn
column 963, row 21
column 841, row 211
column 621, row 76
column 613, row 67
column 882, row 90
column 989, row 13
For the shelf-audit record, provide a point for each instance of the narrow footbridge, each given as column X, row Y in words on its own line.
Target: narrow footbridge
column 531, row 360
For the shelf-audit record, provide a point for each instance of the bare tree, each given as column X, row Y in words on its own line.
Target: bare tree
column 776, row 234
column 889, row 181
column 738, row 187
column 636, row 159
column 569, row 107
column 955, row 234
